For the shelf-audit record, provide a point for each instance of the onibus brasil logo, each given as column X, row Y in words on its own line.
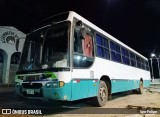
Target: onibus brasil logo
column 25, row 111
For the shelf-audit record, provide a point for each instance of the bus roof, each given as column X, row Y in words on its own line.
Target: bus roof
column 74, row 14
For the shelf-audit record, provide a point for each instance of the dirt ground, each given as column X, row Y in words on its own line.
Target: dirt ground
column 147, row 101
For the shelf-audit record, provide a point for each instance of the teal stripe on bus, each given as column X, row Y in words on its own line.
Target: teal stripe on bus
column 84, row 88
column 120, row 85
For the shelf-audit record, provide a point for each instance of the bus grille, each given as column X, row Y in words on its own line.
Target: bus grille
column 32, row 85
column 32, row 78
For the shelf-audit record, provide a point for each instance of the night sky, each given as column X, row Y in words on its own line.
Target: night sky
column 134, row 22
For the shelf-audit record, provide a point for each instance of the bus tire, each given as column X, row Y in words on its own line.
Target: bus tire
column 140, row 90
column 102, row 96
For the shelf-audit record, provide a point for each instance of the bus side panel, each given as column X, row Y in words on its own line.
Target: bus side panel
column 122, row 85
column 125, row 85
column 84, row 89
column 146, row 83
column 120, row 74
column 93, row 88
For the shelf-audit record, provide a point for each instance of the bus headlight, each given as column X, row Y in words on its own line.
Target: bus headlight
column 48, row 84
column 61, row 83
column 55, row 84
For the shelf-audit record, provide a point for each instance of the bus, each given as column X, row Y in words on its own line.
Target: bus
column 66, row 57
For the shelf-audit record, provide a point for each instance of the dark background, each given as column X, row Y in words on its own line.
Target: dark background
column 134, row 22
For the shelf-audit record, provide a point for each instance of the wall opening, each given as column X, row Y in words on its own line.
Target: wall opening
column 3, row 55
column 14, row 66
column 1, row 66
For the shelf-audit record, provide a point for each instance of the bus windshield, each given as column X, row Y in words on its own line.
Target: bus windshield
column 46, row 48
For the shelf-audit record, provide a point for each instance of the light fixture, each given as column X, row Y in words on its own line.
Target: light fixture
column 153, row 55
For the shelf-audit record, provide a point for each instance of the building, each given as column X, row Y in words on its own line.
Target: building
column 11, row 44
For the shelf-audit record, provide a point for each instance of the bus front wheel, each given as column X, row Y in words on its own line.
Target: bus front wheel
column 102, row 96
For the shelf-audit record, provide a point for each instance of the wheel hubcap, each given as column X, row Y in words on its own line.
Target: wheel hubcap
column 103, row 93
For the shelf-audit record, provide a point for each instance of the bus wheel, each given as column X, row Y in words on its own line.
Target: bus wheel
column 139, row 90
column 141, row 87
column 102, row 97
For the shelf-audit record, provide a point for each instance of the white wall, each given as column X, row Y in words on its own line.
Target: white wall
column 11, row 41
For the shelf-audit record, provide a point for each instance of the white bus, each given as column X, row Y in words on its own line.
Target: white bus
column 66, row 57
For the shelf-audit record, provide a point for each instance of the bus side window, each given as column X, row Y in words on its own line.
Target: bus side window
column 83, row 40
column 78, row 38
column 87, row 45
column 83, row 46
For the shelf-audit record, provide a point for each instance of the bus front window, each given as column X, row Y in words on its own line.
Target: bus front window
column 46, row 48
column 55, row 52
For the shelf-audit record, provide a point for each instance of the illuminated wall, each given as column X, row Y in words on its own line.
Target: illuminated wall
column 11, row 44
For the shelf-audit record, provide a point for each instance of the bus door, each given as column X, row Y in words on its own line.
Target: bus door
column 83, row 84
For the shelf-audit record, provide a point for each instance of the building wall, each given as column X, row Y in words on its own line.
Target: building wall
column 12, row 73
column 11, row 43
column 1, row 71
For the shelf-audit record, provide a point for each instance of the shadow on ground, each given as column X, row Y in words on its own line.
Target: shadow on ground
column 48, row 107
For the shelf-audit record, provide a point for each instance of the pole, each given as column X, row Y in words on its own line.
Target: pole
column 158, row 66
column 152, row 70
